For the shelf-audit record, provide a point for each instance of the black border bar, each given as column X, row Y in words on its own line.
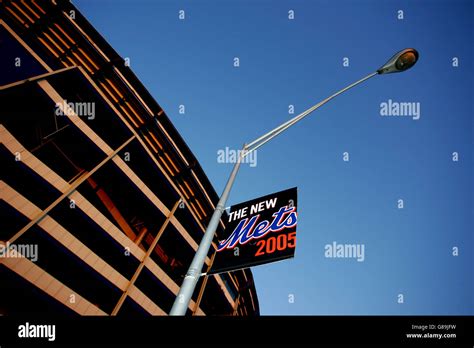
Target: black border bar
column 286, row 330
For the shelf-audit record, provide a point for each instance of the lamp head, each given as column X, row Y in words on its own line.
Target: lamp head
column 401, row 61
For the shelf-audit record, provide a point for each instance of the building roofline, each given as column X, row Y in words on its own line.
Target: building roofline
column 119, row 63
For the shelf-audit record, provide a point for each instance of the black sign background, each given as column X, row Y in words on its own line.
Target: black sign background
column 268, row 248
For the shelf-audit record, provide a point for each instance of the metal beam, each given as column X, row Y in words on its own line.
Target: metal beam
column 70, row 190
column 145, row 258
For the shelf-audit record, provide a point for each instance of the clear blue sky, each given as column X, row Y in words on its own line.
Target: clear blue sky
column 407, row 251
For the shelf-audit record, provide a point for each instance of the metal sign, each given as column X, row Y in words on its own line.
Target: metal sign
column 259, row 231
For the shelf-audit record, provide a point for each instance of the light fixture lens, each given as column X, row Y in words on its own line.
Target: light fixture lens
column 406, row 61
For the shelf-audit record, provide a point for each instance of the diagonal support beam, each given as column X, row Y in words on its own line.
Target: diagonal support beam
column 145, row 258
column 70, row 190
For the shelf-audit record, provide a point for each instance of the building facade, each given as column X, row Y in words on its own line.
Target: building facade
column 102, row 203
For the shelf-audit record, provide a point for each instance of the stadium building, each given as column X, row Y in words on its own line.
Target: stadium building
column 103, row 204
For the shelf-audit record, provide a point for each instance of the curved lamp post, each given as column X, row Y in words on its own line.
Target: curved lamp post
column 401, row 61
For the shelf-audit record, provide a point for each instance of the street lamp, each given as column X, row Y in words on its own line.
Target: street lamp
column 401, row 61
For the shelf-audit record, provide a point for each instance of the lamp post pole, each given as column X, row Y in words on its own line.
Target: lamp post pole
column 401, row 61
